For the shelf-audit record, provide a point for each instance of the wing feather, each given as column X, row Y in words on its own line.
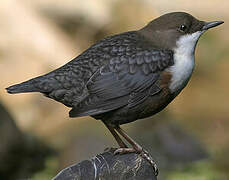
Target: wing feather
column 127, row 82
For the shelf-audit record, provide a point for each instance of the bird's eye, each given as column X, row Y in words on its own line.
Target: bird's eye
column 183, row 28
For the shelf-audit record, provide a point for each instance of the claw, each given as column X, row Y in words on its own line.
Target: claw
column 148, row 157
column 142, row 152
column 136, row 148
column 124, row 150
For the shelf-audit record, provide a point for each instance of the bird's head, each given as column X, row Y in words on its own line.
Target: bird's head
column 176, row 29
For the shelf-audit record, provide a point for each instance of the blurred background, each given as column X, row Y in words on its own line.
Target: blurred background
column 189, row 140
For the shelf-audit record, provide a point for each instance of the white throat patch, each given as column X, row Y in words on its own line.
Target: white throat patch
column 184, row 61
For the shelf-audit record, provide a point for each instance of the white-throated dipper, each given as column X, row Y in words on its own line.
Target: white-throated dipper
column 128, row 76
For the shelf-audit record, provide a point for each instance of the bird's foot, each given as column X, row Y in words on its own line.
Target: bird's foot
column 149, row 158
column 142, row 152
column 124, row 150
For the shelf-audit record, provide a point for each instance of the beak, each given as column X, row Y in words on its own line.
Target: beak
column 208, row 25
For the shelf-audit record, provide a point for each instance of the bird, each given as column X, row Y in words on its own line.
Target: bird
column 126, row 77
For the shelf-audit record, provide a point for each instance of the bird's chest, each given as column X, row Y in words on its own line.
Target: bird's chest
column 181, row 71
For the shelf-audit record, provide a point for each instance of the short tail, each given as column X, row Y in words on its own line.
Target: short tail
column 27, row 86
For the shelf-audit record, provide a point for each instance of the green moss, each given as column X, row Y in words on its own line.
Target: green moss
column 50, row 171
column 197, row 171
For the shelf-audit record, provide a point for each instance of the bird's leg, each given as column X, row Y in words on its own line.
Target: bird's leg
column 135, row 145
column 136, row 148
column 116, row 136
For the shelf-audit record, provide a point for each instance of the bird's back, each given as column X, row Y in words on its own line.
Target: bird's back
column 67, row 84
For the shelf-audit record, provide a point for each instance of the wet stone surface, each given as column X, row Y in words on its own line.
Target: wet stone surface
column 107, row 166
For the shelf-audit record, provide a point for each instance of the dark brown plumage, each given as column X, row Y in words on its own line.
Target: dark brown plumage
column 121, row 71
column 128, row 76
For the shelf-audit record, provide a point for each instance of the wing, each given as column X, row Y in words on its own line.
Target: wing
column 124, row 81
